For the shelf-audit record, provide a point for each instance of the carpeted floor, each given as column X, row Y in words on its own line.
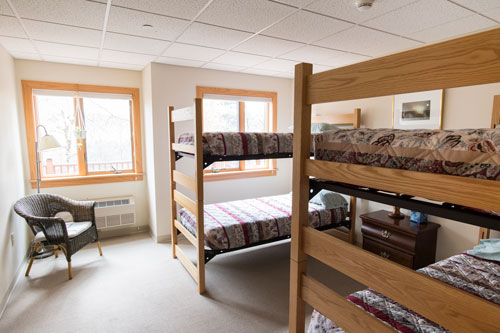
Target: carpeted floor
column 137, row 287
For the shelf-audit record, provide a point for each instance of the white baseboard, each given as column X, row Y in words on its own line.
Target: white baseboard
column 12, row 286
column 163, row 239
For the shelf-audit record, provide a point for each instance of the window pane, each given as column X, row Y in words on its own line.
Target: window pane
column 256, row 119
column 226, row 165
column 57, row 114
column 221, row 116
column 109, row 134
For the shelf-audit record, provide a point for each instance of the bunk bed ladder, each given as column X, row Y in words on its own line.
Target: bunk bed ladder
column 195, row 185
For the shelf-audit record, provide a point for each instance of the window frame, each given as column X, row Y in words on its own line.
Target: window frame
column 270, row 169
column 84, row 177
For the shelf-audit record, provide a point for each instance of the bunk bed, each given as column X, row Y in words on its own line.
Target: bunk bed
column 237, row 228
column 465, row 61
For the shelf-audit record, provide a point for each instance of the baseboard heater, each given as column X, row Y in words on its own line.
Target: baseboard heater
column 114, row 212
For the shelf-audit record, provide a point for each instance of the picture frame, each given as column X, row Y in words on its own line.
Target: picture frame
column 420, row 110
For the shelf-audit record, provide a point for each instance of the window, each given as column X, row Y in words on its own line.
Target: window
column 235, row 110
column 97, row 127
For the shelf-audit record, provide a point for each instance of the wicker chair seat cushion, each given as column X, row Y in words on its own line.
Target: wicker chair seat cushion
column 74, row 229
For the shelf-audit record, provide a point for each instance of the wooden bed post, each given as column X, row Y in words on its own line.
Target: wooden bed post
column 173, row 206
column 300, row 196
column 484, row 233
column 200, row 223
column 356, row 123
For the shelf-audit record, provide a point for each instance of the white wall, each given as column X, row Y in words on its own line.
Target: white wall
column 467, row 107
column 11, row 181
column 56, row 72
column 176, row 86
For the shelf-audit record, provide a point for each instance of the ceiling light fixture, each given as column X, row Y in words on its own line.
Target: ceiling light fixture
column 364, row 5
column 147, row 27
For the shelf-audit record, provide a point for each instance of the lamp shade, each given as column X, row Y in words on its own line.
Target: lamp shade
column 48, row 142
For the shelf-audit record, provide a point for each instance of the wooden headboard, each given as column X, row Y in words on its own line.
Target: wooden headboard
column 353, row 118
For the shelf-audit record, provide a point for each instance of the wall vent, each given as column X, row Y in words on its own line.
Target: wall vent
column 114, row 212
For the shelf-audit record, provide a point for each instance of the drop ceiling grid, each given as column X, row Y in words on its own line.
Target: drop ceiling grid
column 232, row 38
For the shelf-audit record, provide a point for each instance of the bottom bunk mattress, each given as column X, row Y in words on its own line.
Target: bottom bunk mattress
column 472, row 274
column 241, row 223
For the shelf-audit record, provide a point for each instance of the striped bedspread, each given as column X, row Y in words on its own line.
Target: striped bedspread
column 241, row 223
column 467, row 153
column 242, row 143
column 477, row 276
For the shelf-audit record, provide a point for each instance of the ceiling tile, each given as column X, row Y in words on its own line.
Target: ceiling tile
column 128, row 43
column 260, row 72
column 493, row 14
column 126, row 58
column 51, row 32
column 306, row 27
column 267, row 46
column 186, row 9
column 223, row 67
column 418, row 16
column 74, row 61
column 131, row 22
column 243, row 14
column 5, row 8
column 320, row 68
column 69, row 51
column 239, row 59
column 26, row 56
column 75, row 12
column 207, row 35
column 349, row 59
column 110, row 64
column 346, row 9
column 454, row 28
column 478, row 5
column 296, row 3
column 9, row 26
column 179, row 62
column 314, row 54
column 192, row 52
column 17, row 45
column 278, row 65
column 367, row 41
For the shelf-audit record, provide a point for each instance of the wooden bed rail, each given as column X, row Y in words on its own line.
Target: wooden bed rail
column 465, row 61
column 193, row 184
column 340, row 119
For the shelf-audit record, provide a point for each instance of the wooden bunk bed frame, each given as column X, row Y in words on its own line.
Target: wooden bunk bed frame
column 195, row 184
column 465, row 61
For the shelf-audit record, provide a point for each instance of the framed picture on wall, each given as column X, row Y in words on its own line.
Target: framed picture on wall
column 418, row 110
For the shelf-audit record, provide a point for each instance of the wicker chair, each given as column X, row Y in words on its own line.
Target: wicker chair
column 39, row 210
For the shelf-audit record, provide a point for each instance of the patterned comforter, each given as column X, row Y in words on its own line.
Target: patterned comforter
column 240, row 223
column 468, row 153
column 477, row 276
column 242, row 143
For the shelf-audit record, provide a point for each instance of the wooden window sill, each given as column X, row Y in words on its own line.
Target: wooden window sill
column 238, row 174
column 86, row 180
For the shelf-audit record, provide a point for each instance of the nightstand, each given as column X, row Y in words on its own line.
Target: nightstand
column 409, row 244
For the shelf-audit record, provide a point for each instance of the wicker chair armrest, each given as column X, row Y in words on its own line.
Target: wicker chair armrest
column 80, row 210
column 54, row 229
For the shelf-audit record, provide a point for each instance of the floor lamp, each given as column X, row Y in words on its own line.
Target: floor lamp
column 47, row 142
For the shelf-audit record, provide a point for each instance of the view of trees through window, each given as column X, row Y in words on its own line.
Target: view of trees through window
column 107, row 144
column 236, row 116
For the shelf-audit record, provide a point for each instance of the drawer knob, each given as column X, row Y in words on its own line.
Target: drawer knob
column 385, row 255
column 386, row 234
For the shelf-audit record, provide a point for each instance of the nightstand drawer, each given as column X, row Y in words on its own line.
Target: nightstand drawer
column 389, row 236
column 388, row 252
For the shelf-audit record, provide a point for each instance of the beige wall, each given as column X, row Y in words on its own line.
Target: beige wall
column 11, row 182
column 175, row 85
column 468, row 107
column 56, row 72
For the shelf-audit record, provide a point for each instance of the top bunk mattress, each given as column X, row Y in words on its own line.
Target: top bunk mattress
column 471, row 153
column 242, row 143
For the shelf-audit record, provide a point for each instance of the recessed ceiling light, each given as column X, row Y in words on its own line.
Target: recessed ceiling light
column 147, row 27
column 364, row 5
